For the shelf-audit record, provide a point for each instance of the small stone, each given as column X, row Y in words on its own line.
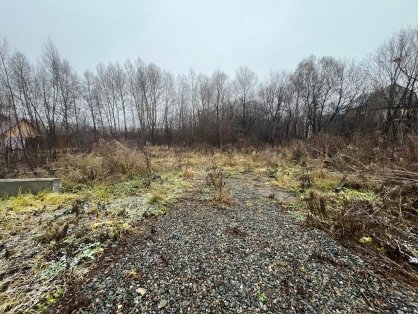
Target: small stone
column 120, row 306
column 141, row 291
column 162, row 304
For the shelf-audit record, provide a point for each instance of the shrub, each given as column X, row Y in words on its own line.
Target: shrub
column 108, row 163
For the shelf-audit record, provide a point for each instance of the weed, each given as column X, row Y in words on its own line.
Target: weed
column 90, row 252
column 337, row 188
column 215, row 179
column 188, row 173
column 262, row 297
column 298, row 215
column 101, row 193
column 70, row 230
column 50, row 299
column 272, row 170
column 128, row 188
column 55, row 233
column 109, row 162
column 156, row 197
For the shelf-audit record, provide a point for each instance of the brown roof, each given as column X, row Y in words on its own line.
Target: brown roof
column 6, row 124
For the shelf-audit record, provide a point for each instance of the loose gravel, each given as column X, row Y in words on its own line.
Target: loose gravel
column 250, row 258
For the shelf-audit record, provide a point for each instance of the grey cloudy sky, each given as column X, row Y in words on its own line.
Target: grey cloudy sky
column 204, row 35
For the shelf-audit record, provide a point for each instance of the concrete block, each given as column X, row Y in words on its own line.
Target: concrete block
column 12, row 187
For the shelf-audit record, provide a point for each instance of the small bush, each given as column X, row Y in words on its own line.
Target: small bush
column 215, row 179
column 108, row 163
column 299, row 152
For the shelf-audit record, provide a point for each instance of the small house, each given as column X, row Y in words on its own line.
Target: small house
column 16, row 134
column 394, row 100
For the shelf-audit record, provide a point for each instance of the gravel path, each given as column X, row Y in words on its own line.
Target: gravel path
column 250, row 258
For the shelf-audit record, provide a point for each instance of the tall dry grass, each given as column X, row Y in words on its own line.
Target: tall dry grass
column 386, row 171
column 108, row 163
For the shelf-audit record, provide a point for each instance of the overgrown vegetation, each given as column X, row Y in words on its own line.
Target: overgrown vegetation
column 48, row 238
column 363, row 192
column 365, row 196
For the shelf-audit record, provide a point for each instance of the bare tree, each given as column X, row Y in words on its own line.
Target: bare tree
column 272, row 96
column 136, row 88
column 245, row 92
column 393, row 73
column 219, row 83
column 90, row 99
column 168, row 99
column 205, row 93
column 322, row 95
column 119, row 80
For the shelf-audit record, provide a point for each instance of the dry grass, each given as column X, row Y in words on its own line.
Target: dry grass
column 357, row 192
column 108, row 163
column 215, row 179
column 49, row 235
column 350, row 190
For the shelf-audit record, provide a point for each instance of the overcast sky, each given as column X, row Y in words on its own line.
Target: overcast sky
column 203, row 35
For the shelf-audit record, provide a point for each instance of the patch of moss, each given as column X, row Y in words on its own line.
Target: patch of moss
column 29, row 202
column 287, row 177
column 355, row 195
column 326, row 181
column 52, row 270
column 90, row 252
column 230, row 172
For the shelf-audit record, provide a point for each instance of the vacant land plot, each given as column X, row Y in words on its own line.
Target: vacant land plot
column 254, row 230
column 249, row 257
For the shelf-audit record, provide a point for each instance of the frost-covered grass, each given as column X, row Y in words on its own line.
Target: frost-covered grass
column 48, row 235
column 105, row 196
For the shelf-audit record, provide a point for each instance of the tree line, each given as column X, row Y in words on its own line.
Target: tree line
column 140, row 101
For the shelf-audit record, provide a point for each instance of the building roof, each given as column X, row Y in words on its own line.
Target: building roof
column 395, row 93
column 378, row 100
column 7, row 123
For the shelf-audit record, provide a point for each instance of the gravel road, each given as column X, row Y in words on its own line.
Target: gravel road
column 250, row 258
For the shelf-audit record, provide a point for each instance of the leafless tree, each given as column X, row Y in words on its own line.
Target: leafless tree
column 220, row 90
column 168, row 99
column 273, row 94
column 142, row 101
column 393, row 73
column 136, row 87
column 245, row 92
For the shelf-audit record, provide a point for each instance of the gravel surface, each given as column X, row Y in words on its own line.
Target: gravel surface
column 250, row 258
